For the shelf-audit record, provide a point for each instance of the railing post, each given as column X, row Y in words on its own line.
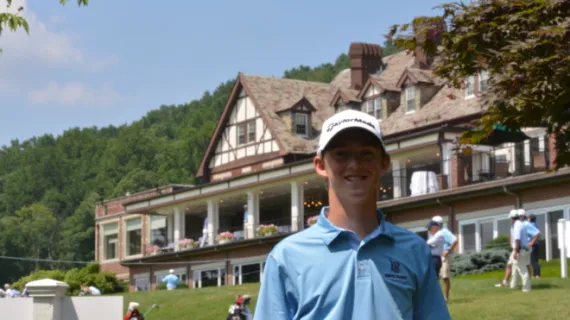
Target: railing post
column 47, row 295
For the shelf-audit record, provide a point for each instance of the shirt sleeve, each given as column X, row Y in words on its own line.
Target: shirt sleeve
column 531, row 230
column 517, row 231
column 450, row 237
column 428, row 298
column 437, row 237
column 274, row 299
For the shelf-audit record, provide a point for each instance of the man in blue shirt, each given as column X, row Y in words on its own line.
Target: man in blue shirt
column 449, row 246
column 520, row 256
column 352, row 264
column 532, row 232
column 171, row 280
column 535, row 250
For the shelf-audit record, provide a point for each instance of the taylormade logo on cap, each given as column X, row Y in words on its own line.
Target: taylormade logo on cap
column 345, row 120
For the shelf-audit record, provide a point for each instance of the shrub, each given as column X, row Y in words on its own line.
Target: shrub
column 500, row 242
column 90, row 275
column 480, row 262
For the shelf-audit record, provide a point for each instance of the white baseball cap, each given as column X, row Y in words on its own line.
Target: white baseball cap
column 133, row 305
column 437, row 219
column 171, row 271
column 348, row 119
column 521, row 213
column 514, row 213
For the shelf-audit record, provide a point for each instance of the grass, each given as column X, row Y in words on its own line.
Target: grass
column 472, row 297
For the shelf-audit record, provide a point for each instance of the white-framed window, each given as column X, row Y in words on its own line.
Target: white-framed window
column 248, row 270
column 158, row 231
column 483, row 81
column 410, row 99
column 302, row 124
column 246, row 132
column 133, row 236
column 368, row 107
column 211, row 275
column 470, row 90
column 378, row 102
column 110, row 241
column 251, row 131
column 141, row 281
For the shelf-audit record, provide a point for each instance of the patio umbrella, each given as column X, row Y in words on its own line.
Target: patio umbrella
column 501, row 134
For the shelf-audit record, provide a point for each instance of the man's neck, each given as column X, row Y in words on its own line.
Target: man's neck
column 361, row 219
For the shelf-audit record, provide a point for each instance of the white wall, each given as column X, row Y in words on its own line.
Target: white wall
column 17, row 308
column 90, row 308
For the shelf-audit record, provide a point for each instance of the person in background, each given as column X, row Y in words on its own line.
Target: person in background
column 449, row 246
column 171, row 280
column 532, row 232
column 535, row 250
column 351, row 264
column 90, row 290
column 435, row 242
column 520, row 254
column 509, row 267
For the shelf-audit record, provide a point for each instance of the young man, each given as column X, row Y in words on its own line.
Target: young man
column 533, row 234
column 449, row 246
column 435, row 243
column 352, row 264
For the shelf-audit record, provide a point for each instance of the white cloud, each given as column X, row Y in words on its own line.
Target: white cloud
column 44, row 45
column 75, row 93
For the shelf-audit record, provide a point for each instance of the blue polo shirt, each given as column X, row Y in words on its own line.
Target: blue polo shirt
column 531, row 230
column 449, row 238
column 325, row 272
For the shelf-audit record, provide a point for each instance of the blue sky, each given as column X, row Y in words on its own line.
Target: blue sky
column 113, row 61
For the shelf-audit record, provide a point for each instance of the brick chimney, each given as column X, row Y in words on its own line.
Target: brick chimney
column 423, row 30
column 365, row 59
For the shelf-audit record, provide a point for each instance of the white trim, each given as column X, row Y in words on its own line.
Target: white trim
column 477, row 215
column 248, row 260
column 208, row 266
column 125, row 236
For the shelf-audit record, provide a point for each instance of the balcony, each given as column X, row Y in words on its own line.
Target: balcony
column 428, row 172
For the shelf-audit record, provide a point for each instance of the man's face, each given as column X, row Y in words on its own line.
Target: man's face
column 353, row 164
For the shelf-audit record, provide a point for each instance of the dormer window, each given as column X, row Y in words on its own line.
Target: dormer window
column 410, row 99
column 302, row 124
column 373, row 107
column 483, row 81
column 470, row 90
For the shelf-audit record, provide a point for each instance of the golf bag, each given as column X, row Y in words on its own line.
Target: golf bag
column 239, row 310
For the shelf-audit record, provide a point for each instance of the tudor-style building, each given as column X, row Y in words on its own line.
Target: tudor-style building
column 258, row 172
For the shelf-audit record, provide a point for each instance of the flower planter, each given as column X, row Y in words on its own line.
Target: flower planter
column 225, row 241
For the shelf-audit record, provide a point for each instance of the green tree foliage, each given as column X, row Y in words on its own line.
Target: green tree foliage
column 61, row 179
column 524, row 45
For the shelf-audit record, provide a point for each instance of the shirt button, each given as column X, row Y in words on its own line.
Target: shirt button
column 362, row 267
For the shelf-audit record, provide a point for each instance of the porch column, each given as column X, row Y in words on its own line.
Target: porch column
column 446, row 156
column 169, row 229
column 399, row 177
column 178, row 226
column 252, row 213
column 297, row 208
column 213, row 215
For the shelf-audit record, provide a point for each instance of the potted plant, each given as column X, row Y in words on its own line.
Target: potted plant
column 187, row 244
column 312, row 220
column 266, row 229
column 225, row 237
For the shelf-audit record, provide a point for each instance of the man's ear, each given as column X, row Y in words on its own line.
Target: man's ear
column 319, row 163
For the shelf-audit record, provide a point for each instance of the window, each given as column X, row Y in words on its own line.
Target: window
column 251, row 131
column 378, row 107
column 470, row 87
column 180, row 273
column 483, row 81
column 368, row 107
column 302, row 124
column 110, row 240
column 469, row 241
column 133, row 242
column 246, row 132
column 486, row 231
column 410, row 99
column 213, row 277
column 158, row 231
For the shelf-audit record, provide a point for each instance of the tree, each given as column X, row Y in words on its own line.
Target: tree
column 13, row 21
column 525, row 47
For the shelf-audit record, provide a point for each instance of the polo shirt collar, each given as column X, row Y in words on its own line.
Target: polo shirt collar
column 329, row 232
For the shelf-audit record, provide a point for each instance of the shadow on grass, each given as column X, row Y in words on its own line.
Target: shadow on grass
column 459, row 300
column 542, row 286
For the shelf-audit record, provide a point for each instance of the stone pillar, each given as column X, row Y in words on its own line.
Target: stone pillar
column 297, row 208
column 457, row 171
column 252, row 213
column 169, row 229
column 47, row 295
column 213, row 222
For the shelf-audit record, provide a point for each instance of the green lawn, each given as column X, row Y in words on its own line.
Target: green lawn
column 473, row 297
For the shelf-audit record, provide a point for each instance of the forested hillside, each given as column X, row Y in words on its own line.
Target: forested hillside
column 49, row 185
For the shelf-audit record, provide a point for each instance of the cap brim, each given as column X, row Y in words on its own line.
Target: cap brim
column 363, row 127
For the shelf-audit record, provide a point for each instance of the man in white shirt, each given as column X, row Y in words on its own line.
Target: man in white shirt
column 520, row 255
column 449, row 245
column 436, row 243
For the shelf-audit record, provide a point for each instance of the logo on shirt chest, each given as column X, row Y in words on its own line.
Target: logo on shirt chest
column 395, row 274
column 395, row 267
